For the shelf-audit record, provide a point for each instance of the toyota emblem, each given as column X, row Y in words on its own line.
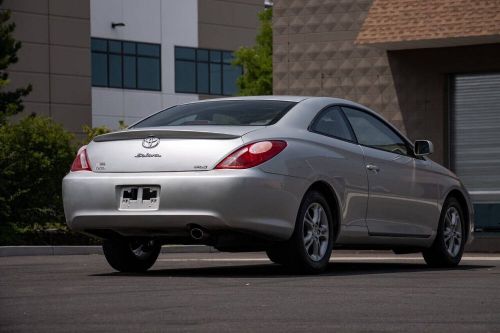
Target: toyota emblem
column 150, row 142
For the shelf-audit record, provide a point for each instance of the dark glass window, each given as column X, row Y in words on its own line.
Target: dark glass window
column 148, row 74
column 115, row 71
column 129, row 72
column 130, row 65
column 202, row 71
column 373, row 132
column 187, row 81
column 129, row 47
column 203, row 77
column 236, row 113
column 331, row 122
column 99, row 70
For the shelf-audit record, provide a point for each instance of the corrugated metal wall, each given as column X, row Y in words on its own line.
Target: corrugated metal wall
column 475, row 145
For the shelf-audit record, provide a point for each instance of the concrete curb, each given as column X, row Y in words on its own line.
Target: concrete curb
column 10, row 251
column 483, row 242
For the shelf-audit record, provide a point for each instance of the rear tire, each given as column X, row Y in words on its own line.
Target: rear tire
column 277, row 255
column 448, row 247
column 131, row 255
column 310, row 247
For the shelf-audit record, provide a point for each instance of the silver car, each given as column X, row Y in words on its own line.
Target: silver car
column 292, row 176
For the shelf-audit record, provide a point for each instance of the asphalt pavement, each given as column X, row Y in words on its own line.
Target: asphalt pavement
column 217, row 292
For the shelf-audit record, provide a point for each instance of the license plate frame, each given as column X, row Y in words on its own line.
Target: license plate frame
column 139, row 197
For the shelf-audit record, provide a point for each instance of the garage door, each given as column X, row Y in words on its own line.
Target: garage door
column 475, row 143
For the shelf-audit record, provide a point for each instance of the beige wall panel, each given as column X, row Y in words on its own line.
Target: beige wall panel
column 69, row 31
column 34, row 27
column 228, row 24
column 39, row 82
column 63, row 60
column 71, row 8
column 72, row 116
column 32, row 58
column 41, row 109
column 225, row 38
column 236, row 14
column 70, row 90
column 28, row 6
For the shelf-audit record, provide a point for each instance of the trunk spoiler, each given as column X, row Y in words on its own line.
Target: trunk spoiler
column 163, row 134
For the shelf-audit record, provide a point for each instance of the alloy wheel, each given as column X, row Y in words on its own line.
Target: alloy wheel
column 316, row 231
column 452, row 231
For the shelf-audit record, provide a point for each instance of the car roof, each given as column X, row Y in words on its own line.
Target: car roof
column 297, row 99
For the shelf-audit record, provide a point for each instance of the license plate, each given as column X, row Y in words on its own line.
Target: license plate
column 140, row 197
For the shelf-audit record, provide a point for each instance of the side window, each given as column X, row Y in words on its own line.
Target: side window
column 331, row 123
column 372, row 132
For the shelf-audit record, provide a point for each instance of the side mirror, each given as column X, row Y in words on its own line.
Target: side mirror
column 423, row 147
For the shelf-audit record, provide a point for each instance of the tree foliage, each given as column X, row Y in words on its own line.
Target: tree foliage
column 35, row 154
column 10, row 101
column 92, row 132
column 257, row 61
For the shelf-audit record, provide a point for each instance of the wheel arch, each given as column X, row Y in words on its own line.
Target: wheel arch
column 333, row 202
column 460, row 197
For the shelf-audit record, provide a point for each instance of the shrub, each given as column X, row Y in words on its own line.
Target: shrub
column 92, row 132
column 35, row 154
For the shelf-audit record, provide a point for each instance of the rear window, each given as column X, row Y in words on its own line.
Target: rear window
column 235, row 113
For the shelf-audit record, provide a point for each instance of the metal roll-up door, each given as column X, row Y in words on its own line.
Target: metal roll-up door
column 475, row 142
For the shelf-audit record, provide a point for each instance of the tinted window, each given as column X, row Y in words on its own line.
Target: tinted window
column 148, row 70
column 331, row 122
column 129, row 72
column 130, row 65
column 115, row 71
column 372, row 132
column 99, row 70
column 202, row 71
column 203, row 78
column 238, row 113
column 185, row 82
column 215, row 79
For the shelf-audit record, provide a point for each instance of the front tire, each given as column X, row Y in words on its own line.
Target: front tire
column 310, row 247
column 448, row 247
column 131, row 255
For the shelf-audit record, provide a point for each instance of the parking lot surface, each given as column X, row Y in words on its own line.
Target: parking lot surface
column 218, row 292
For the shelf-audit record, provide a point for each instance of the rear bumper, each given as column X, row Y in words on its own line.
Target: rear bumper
column 243, row 200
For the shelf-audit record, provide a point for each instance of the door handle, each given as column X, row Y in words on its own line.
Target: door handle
column 372, row 167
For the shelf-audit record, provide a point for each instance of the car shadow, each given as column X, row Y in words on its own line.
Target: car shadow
column 272, row 270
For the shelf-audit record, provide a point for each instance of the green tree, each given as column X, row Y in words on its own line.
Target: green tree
column 10, row 101
column 35, row 154
column 92, row 132
column 257, row 61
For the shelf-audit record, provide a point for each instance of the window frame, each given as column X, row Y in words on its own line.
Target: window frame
column 122, row 55
column 408, row 144
column 325, row 110
column 208, row 62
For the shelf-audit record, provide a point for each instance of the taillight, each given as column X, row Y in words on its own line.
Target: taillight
column 252, row 155
column 81, row 162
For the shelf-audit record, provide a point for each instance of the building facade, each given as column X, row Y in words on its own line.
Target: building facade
column 429, row 67
column 54, row 58
column 94, row 62
column 149, row 55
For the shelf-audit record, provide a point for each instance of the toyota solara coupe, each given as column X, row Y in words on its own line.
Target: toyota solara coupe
column 292, row 176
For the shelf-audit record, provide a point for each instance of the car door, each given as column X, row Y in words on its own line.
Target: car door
column 343, row 161
column 402, row 194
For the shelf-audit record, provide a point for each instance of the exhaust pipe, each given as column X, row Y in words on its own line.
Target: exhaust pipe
column 197, row 234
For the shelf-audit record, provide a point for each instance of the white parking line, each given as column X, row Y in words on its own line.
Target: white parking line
column 492, row 258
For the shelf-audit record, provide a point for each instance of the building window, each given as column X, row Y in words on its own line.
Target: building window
column 124, row 64
column 202, row 71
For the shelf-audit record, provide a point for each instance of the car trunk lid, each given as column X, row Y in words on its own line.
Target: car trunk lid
column 173, row 148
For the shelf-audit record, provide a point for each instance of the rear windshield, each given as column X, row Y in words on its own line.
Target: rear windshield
column 236, row 113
